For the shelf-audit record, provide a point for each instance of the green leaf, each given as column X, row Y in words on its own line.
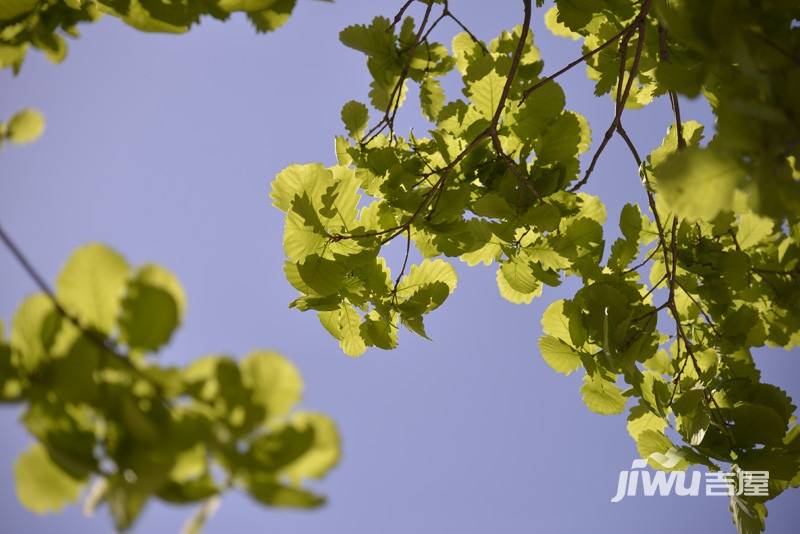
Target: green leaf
column 485, row 94
column 245, row 5
column 91, row 285
column 425, row 273
column 25, row 126
column 697, row 183
column 125, row 502
column 273, row 493
column 349, row 325
column 294, row 180
column 692, row 134
column 559, row 355
column 431, row 97
column 748, row 515
column 10, row 9
column 686, row 78
column 273, row 17
column 270, row 453
column 383, row 96
column 654, row 446
column 555, row 323
column 355, row 117
column 518, row 273
column 756, row 423
column 379, row 332
column 650, row 441
column 602, row 396
column 575, row 14
column 198, row 520
column 342, row 146
column 275, row 382
column 12, row 56
column 551, row 20
column 630, row 222
column 153, row 307
column 316, row 276
column 12, row 386
column 71, row 375
column 465, row 51
column 752, row 230
column 323, row 453
column 374, row 40
column 622, row 253
column 539, row 111
column 523, row 278
column 561, row 141
column 642, row 419
column 304, row 234
column 34, row 329
column 145, row 15
column 42, row 486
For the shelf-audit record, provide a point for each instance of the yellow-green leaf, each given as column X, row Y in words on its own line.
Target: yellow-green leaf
column 275, row 381
column 42, row 486
column 25, row 126
column 91, row 285
column 602, row 396
column 559, row 355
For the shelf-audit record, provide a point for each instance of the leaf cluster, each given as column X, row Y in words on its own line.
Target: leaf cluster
column 667, row 317
column 44, row 24
column 106, row 415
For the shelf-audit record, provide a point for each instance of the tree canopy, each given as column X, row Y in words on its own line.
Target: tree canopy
column 497, row 181
column 110, row 422
column 664, row 323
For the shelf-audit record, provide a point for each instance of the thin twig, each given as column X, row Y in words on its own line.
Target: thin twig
column 642, row 263
column 574, row 63
column 623, row 91
column 405, row 261
column 490, row 132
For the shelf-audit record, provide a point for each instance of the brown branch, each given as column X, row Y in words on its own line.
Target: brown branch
column 705, row 315
column 677, row 380
column 394, row 231
column 397, row 92
column 490, row 132
column 515, row 61
column 673, row 96
column 463, row 27
column 574, row 63
column 390, row 113
column 405, row 261
column 398, row 17
column 655, row 286
column 522, row 177
column 642, row 263
column 623, row 92
column 670, row 268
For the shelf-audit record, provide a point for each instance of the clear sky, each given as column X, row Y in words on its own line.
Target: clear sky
column 164, row 147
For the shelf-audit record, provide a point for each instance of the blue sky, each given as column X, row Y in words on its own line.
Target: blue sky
column 164, row 147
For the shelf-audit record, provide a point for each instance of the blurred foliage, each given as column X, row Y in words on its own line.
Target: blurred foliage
column 666, row 319
column 44, row 24
column 22, row 128
column 107, row 416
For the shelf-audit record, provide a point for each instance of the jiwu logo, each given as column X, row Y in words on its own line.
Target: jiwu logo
column 659, row 482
